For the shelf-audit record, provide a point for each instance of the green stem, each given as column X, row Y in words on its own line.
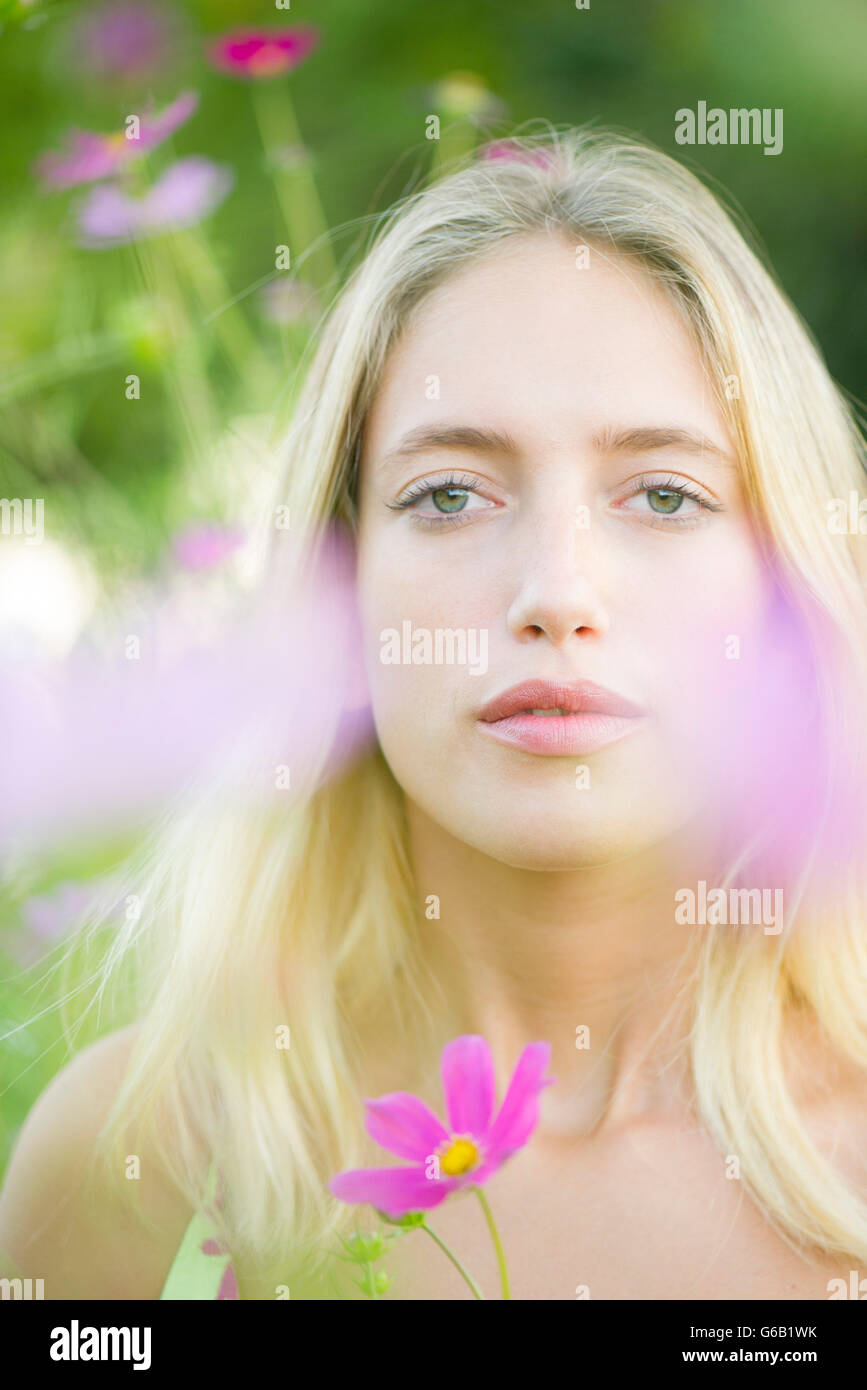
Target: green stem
column 371, row 1281
column 498, row 1244
column 193, row 256
column 66, row 360
column 477, row 1293
column 184, row 373
column 295, row 187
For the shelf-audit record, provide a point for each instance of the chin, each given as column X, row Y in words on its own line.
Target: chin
column 561, row 853
column 555, row 837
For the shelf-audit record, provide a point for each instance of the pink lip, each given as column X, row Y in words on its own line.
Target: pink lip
column 596, row 718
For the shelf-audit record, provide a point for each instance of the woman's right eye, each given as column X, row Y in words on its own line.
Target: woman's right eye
column 451, row 500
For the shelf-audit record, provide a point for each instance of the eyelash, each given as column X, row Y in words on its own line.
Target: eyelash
column 646, row 483
column 423, row 488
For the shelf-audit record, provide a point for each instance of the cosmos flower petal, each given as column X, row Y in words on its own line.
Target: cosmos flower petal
column 89, row 157
column 107, row 216
column 155, row 129
column 187, row 192
column 519, row 1113
column 404, row 1125
column 468, row 1083
column 395, row 1191
column 263, row 52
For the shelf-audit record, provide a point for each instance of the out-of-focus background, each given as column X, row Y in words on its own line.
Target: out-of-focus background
column 185, row 185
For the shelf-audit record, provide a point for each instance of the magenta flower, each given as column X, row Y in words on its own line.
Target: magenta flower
column 262, row 52
column 90, row 156
column 465, row 1153
column 510, row 150
column 187, row 192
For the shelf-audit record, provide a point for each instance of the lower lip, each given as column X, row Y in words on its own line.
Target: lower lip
column 563, row 735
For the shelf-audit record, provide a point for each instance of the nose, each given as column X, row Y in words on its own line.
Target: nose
column 558, row 593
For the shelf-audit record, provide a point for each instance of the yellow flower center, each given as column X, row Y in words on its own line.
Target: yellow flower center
column 459, row 1157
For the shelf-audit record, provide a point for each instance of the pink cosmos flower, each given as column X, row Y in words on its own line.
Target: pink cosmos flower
column 187, row 192
column 262, row 52
column 509, row 149
column 90, row 156
column 469, row 1150
column 123, row 39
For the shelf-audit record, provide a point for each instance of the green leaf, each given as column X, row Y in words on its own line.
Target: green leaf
column 409, row 1222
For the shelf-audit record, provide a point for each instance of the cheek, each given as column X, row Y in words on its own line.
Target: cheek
column 409, row 578
column 704, row 632
column 422, row 712
column 404, row 605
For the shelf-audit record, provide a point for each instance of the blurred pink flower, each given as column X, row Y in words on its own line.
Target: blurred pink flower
column 49, row 916
column 186, row 192
column 90, row 156
column 468, row 1151
column 260, row 53
column 287, row 301
column 123, row 38
column 112, row 733
column 205, row 544
column 510, row 149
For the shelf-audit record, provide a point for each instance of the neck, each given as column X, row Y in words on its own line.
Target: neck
column 590, row 960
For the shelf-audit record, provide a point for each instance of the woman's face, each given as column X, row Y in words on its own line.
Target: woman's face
column 576, row 512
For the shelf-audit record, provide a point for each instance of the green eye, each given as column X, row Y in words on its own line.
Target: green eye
column 450, row 499
column 662, row 499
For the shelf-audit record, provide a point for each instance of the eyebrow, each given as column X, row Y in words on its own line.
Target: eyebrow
column 648, row 437
column 638, row 439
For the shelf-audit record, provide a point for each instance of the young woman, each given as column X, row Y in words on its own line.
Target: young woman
column 562, row 409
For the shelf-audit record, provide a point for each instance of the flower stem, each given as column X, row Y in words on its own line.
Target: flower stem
column 193, row 257
column 498, row 1244
column 295, row 187
column 477, row 1293
column 182, row 367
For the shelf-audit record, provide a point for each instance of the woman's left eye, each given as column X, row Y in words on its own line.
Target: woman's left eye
column 656, row 501
column 667, row 500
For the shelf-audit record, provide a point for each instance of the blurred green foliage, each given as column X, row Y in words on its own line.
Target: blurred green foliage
column 361, row 100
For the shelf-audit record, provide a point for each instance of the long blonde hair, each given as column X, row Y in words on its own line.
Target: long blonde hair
column 307, row 915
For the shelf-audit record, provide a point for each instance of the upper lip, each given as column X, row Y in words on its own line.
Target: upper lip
column 578, row 697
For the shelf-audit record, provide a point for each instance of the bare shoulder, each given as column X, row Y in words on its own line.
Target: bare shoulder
column 81, row 1236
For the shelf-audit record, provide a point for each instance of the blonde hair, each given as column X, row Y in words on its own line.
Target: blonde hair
column 308, row 915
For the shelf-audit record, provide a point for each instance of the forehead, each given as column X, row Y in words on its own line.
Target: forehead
column 528, row 338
